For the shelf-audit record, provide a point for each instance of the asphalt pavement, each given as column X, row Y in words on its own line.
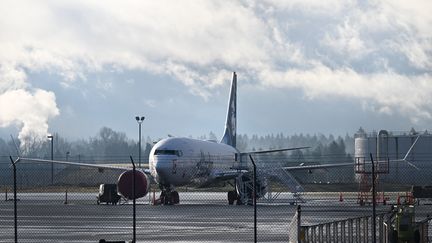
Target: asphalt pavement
column 201, row 217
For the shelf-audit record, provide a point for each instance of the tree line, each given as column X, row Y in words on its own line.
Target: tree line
column 108, row 145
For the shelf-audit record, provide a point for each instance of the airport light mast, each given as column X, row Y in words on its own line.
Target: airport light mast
column 139, row 120
column 51, row 137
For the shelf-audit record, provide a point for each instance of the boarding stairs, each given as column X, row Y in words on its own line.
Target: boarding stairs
column 245, row 188
column 286, row 179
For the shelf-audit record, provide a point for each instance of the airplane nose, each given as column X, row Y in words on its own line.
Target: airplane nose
column 163, row 168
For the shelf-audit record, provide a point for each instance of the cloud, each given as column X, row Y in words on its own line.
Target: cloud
column 347, row 42
column 378, row 51
column 386, row 93
column 11, row 78
column 315, row 7
column 150, row 103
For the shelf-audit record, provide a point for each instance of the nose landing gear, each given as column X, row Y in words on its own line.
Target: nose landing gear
column 232, row 197
column 169, row 197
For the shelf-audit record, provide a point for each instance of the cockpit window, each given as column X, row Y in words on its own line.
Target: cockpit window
column 168, row 152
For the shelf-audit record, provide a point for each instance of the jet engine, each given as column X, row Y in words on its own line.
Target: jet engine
column 244, row 185
column 125, row 184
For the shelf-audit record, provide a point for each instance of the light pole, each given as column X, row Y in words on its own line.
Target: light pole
column 52, row 158
column 139, row 120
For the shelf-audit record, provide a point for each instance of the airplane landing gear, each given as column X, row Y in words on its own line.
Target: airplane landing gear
column 169, row 197
column 232, row 197
column 175, row 198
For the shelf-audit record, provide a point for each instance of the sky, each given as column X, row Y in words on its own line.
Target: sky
column 303, row 66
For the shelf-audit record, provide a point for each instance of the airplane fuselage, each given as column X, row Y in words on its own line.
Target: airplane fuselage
column 185, row 161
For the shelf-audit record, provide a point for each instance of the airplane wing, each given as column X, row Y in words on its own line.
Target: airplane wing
column 321, row 166
column 272, row 151
column 233, row 173
column 228, row 175
column 96, row 166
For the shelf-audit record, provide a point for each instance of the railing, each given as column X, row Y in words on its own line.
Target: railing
column 349, row 230
column 364, row 166
column 425, row 230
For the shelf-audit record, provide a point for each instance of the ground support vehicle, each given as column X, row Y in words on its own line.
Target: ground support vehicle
column 108, row 194
column 402, row 227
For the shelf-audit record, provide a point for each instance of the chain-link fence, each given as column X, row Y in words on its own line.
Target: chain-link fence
column 65, row 205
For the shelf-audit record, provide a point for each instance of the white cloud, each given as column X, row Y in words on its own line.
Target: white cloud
column 316, row 7
column 130, row 81
column 387, row 92
column 379, row 51
column 418, row 52
column 11, row 78
column 347, row 42
column 150, row 103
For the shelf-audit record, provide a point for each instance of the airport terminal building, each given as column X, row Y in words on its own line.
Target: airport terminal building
column 409, row 155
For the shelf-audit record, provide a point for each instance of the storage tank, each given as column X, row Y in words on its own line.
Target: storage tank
column 361, row 151
column 394, row 146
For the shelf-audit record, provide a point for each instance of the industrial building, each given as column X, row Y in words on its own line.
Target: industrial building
column 404, row 157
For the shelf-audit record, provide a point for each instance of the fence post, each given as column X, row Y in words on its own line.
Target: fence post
column 359, row 230
column 254, row 201
column 373, row 199
column 366, row 229
column 314, row 236
column 66, row 197
column 343, row 238
column 134, row 201
column 349, row 225
column 335, row 232
column 298, row 223
column 15, row 199
column 380, row 226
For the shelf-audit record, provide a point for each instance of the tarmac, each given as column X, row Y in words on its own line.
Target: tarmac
column 200, row 217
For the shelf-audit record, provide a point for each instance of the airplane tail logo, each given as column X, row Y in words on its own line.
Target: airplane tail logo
column 229, row 136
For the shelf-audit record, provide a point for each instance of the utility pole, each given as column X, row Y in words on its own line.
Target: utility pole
column 52, row 158
column 139, row 120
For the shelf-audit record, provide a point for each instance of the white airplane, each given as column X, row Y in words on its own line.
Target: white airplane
column 177, row 161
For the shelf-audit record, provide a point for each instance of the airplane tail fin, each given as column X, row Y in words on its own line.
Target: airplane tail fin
column 229, row 136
